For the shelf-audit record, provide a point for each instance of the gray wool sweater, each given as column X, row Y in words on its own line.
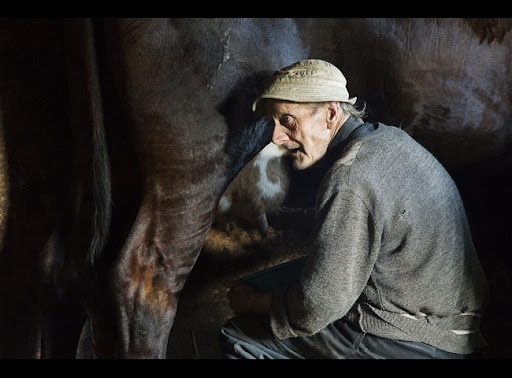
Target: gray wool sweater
column 392, row 253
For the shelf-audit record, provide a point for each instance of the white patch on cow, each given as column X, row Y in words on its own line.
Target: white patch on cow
column 255, row 191
column 224, row 204
column 267, row 188
column 272, row 150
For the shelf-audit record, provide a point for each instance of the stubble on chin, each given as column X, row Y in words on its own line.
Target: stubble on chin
column 299, row 163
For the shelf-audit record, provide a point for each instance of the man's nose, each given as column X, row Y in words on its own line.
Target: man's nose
column 279, row 136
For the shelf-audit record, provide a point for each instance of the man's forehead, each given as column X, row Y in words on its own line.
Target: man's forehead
column 277, row 107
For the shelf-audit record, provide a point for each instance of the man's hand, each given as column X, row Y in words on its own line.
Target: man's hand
column 243, row 299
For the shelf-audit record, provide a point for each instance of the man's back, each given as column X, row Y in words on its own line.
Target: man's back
column 425, row 264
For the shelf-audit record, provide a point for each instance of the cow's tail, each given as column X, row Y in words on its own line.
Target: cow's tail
column 102, row 187
column 88, row 133
column 102, row 193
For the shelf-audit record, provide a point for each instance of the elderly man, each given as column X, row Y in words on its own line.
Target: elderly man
column 392, row 272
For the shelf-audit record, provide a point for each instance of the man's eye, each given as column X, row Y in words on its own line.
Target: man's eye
column 286, row 120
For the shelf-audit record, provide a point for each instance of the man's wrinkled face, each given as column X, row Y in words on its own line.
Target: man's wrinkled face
column 301, row 128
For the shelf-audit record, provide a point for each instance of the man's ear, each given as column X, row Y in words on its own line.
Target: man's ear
column 333, row 114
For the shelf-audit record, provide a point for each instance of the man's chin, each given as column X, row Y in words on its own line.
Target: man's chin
column 300, row 165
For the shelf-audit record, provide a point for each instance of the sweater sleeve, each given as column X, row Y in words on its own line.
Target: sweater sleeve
column 337, row 268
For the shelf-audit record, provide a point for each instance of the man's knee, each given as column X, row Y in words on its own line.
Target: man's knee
column 246, row 328
column 235, row 341
column 250, row 337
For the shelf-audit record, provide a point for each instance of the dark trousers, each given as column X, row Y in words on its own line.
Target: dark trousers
column 250, row 337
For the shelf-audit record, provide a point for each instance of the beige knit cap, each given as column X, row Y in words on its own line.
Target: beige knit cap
column 311, row 80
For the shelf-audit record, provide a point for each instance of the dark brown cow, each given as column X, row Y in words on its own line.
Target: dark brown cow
column 121, row 136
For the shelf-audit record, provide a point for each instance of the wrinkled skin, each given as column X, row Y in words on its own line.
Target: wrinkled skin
column 166, row 103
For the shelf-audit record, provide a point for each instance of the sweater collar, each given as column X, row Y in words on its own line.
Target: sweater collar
column 333, row 151
column 343, row 133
